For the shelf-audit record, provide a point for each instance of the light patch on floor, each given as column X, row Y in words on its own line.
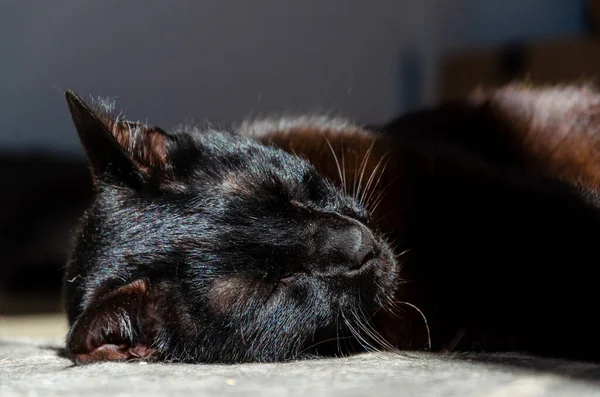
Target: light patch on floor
column 31, row 364
column 34, row 326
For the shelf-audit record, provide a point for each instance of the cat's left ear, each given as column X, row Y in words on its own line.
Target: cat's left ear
column 117, row 326
column 120, row 151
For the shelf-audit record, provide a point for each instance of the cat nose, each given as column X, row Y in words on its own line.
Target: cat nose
column 354, row 245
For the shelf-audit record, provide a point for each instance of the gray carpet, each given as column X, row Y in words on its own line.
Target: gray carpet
column 34, row 368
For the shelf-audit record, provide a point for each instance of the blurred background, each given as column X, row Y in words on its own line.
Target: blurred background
column 221, row 61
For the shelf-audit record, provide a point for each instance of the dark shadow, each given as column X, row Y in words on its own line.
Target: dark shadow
column 579, row 370
column 60, row 351
column 43, row 197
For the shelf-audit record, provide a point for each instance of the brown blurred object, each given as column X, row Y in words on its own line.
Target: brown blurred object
column 544, row 62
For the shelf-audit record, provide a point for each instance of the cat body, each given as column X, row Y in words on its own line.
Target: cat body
column 317, row 236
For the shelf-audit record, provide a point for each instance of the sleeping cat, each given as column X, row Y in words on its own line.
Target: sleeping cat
column 472, row 225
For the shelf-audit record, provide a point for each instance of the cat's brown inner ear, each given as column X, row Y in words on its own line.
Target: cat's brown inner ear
column 121, row 326
column 146, row 146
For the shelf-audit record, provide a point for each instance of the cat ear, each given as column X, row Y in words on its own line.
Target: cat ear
column 121, row 326
column 119, row 151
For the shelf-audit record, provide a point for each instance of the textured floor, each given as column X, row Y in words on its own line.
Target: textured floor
column 30, row 368
column 33, row 367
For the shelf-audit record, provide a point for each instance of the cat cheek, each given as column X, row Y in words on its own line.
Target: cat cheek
column 226, row 292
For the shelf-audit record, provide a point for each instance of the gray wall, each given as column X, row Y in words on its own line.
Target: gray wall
column 223, row 60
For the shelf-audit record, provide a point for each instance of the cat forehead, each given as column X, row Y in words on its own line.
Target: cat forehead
column 226, row 153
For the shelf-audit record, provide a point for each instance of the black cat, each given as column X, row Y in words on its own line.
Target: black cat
column 274, row 241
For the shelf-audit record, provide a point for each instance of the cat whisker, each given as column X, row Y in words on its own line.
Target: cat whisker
column 346, row 336
column 364, row 326
column 424, row 320
column 375, row 335
column 389, row 298
column 354, row 177
column 337, row 163
column 364, row 323
column 374, row 189
column 380, row 197
column 368, row 190
column 337, row 338
column 344, row 170
column 357, row 335
column 381, row 193
column 363, row 167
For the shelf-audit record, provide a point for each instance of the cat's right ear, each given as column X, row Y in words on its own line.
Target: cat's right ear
column 108, row 159
column 120, row 151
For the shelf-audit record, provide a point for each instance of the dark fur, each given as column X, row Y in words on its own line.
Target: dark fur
column 231, row 247
column 227, row 242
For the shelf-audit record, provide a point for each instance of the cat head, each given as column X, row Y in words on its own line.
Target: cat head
column 212, row 247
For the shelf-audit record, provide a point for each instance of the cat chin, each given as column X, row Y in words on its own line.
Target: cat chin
column 354, row 330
